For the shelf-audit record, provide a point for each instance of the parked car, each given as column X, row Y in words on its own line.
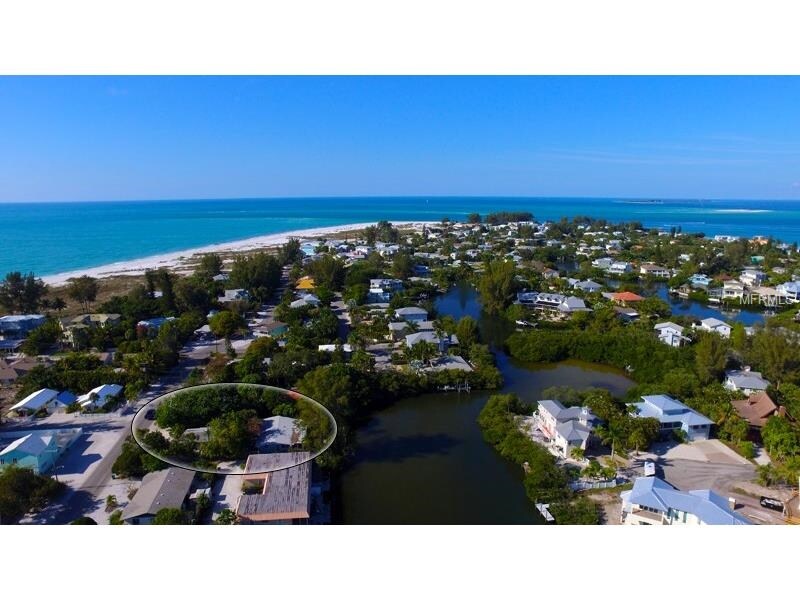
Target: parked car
column 771, row 503
column 150, row 415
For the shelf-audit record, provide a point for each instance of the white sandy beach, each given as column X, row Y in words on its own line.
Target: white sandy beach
column 179, row 259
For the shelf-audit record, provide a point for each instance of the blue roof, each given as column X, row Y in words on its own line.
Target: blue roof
column 666, row 409
column 709, row 507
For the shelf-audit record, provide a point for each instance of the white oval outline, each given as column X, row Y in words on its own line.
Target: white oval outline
column 290, row 393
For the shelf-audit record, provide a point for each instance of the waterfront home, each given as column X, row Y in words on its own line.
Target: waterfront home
column 382, row 290
column 553, row 303
column 790, row 291
column 652, row 270
column 282, row 495
column 756, row 409
column 430, row 337
column 100, row 396
column 623, row 298
column 279, row 434
column 713, row 325
column 767, row 296
column 168, row 488
column 671, row 334
column 732, row 290
column 652, row 501
column 752, row 277
column 236, row 295
column 698, row 280
column 35, row 451
column 588, row 286
column 619, row 268
column 17, row 327
column 47, row 399
column 745, row 381
column 411, row 314
column 566, row 428
column 602, row 263
column 674, row 415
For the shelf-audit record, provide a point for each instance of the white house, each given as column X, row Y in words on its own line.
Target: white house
column 654, row 270
column 411, row 314
column 733, row 290
column 652, row 501
column 673, row 415
column 671, row 334
column 619, row 268
column 715, row 326
column 50, row 400
column 753, row 277
column 236, row 295
column 790, row 290
column 567, row 428
column 99, row 396
column 746, row 381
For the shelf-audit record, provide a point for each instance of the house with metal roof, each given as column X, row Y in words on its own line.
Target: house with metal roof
column 17, row 327
column 713, row 325
column 566, row 428
column 99, row 396
column 653, row 501
column 442, row 343
column 745, row 380
column 34, row 451
column 674, row 415
column 411, row 313
column 236, row 295
column 671, row 334
column 280, row 433
column 160, row 489
column 282, row 496
column 50, row 400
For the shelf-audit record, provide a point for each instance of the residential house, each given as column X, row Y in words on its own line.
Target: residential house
column 47, row 399
column 280, row 434
column 305, row 284
column 236, row 295
column 151, row 326
column 652, row 501
column 566, row 428
column 411, row 314
column 698, row 280
column 99, row 396
column 431, row 337
column 168, row 488
column 382, row 290
column 588, row 286
column 283, row 495
column 624, row 298
column 713, row 325
column 71, row 325
column 732, row 290
column 756, row 409
column 305, row 300
column 347, row 349
column 652, row 270
column 674, row 415
column 602, row 263
column 745, row 380
column 752, row 277
column 17, row 327
column 790, row 291
column 35, row 451
column 628, row 315
column 671, row 334
column 620, row 268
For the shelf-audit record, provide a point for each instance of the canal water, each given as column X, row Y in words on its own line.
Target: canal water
column 423, row 460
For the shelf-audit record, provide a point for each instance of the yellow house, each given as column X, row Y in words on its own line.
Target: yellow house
column 305, row 283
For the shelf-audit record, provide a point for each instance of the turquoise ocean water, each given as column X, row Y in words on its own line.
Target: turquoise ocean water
column 57, row 237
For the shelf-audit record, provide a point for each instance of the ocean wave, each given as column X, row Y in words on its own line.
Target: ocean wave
column 733, row 211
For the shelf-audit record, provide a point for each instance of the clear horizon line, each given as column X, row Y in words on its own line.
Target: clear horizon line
column 392, row 196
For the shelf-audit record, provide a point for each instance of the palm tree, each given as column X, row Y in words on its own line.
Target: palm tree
column 577, row 453
column 609, row 435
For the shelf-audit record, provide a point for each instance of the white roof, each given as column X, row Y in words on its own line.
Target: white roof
column 103, row 392
column 36, row 400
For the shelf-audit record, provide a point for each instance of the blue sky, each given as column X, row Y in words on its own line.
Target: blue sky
column 114, row 138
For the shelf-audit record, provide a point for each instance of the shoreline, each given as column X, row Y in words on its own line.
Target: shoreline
column 179, row 259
